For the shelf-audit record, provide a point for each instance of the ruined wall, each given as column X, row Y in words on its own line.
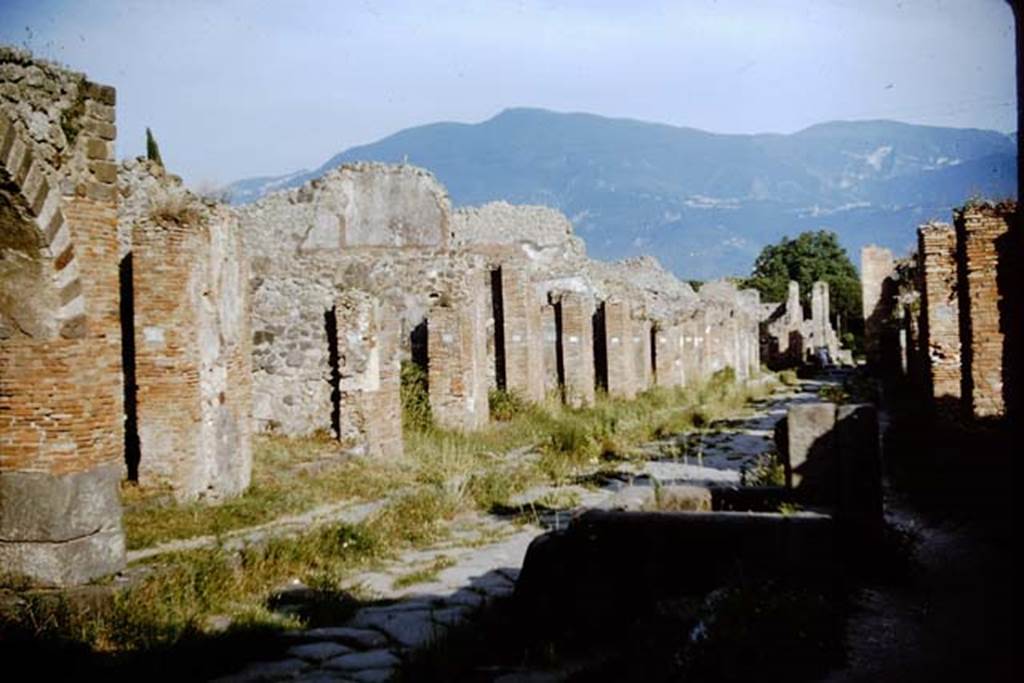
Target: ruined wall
column 876, row 268
column 940, row 318
column 457, row 373
column 312, row 245
column 979, row 229
column 60, row 355
column 192, row 338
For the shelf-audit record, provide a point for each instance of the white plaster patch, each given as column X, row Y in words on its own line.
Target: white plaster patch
column 153, row 335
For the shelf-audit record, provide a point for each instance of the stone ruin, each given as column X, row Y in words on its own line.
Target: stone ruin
column 947, row 319
column 147, row 333
column 788, row 339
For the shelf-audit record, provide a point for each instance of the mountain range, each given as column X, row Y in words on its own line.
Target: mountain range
column 703, row 203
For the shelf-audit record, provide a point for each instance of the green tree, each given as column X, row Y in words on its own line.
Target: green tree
column 152, row 149
column 811, row 256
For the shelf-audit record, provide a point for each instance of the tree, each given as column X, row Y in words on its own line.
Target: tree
column 811, row 256
column 152, row 149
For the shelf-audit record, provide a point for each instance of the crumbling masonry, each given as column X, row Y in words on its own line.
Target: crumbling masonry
column 147, row 333
column 965, row 325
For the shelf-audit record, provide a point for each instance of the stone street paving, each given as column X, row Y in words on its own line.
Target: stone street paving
column 482, row 557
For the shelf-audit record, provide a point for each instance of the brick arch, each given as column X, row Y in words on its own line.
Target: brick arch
column 30, row 185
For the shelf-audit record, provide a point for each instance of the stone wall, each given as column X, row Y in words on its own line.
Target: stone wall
column 60, row 352
column 311, row 246
column 978, row 230
column 192, row 340
column 940, row 318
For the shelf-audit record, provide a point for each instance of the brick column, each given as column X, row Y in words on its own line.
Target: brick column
column 618, row 342
column 370, row 404
column 524, row 368
column 940, row 316
column 576, row 312
column 978, row 230
column 549, row 327
column 668, row 341
column 192, row 355
column 457, row 350
column 643, row 374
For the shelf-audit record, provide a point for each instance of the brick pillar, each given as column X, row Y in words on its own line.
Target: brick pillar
column 978, row 230
column 61, row 414
column 876, row 266
column 618, row 326
column 691, row 349
column 668, row 344
column 369, row 411
column 940, row 315
column 524, row 368
column 549, row 326
column 640, row 342
column 193, row 355
column 457, row 350
column 576, row 312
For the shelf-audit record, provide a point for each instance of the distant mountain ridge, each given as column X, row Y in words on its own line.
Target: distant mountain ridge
column 703, row 203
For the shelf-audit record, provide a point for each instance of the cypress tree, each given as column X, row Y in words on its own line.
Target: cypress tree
column 152, row 149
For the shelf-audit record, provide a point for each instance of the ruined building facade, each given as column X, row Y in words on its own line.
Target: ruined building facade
column 949, row 322
column 147, row 333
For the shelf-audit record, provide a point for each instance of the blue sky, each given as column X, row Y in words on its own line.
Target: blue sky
column 238, row 88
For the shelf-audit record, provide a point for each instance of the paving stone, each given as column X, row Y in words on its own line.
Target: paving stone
column 411, row 629
column 360, row 638
column 372, row 675
column 267, row 671
column 357, row 661
column 465, row 597
column 452, row 616
column 318, row 652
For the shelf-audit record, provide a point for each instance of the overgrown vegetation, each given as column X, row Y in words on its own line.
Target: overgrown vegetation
column 176, row 605
column 416, row 413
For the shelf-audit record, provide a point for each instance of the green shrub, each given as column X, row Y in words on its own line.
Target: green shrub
column 505, row 405
column 416, row 414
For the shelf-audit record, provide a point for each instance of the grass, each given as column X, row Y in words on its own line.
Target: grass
column 424, row 575
column 172, row 605
column 173, row 608
column 285, row 482
column 295, row 475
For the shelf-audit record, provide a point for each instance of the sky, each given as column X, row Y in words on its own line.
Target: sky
column 242, row 88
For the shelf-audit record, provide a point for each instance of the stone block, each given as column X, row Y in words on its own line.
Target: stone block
column 860, row 468
column 809, row 450
column 61, row 529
